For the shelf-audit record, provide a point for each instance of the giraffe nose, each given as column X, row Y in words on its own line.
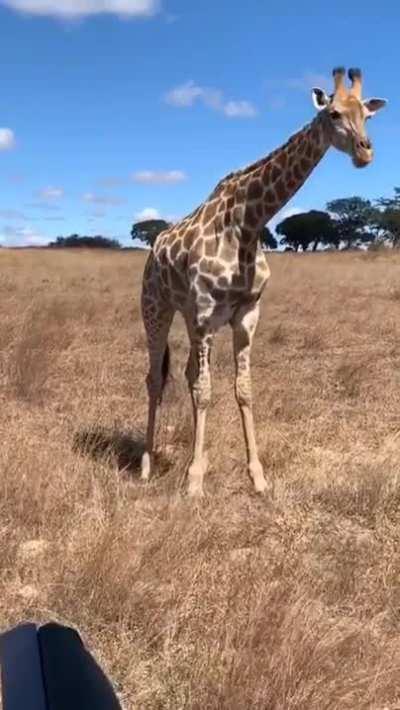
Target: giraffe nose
column 365, row 144
column 362, row 152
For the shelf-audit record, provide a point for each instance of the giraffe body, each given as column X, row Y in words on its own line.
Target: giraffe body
column 212, row 263
column 211, row 268
column 209, row 288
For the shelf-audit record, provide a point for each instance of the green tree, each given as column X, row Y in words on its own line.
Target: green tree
column 74, row 240
column 354, row 219
column 292, row 233
column 268, row 241
column 148, row 230
column 308, row 229
column 388, row 219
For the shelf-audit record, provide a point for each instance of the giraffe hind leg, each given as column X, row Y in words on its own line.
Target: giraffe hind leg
column 157, row 330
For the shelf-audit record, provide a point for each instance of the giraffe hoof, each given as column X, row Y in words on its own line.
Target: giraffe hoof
column 195, row 476
column 146, row 467
column 195, row 491
column 261, row 487
column 256, row 474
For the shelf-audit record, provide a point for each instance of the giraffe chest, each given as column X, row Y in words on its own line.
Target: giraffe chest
column 218, row 290
column 212, row 286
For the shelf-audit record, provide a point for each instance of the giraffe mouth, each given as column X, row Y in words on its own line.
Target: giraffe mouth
column 362, row 155
column 361, row 161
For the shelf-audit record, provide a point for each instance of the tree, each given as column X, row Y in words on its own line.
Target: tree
column 307, row 228
column 268, row 241
column 148, row 230
column 74, row 240
column 293, row 234
column 388, row 219
column 354, row 219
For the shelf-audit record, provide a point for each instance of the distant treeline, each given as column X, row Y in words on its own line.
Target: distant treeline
column 347, row 223
column 74, row 240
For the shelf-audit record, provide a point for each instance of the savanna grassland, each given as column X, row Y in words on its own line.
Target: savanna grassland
column 289, row 602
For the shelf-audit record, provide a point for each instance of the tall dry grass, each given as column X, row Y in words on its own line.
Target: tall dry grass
column 287, row 603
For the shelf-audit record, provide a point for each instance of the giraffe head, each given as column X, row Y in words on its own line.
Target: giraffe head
column 345, row 113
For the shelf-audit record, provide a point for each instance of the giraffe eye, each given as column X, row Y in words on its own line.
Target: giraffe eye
column 335, row 115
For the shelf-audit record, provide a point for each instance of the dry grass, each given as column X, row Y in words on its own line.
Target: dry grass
column 291, row 602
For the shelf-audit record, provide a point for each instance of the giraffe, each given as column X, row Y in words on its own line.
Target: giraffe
column 211, row 268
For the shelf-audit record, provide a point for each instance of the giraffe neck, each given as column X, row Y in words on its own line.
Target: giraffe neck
column 263, row 188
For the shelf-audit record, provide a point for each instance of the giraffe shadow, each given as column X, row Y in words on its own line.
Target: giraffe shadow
column 125, row 449
column 103, row 444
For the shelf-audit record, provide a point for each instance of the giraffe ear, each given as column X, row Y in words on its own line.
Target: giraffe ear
column 320, row 98
column 373, row 105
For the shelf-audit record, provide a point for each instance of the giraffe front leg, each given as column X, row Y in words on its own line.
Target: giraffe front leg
column 198, row 376
column 244, row 326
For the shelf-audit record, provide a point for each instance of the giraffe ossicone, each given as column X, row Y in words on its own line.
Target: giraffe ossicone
column 211, row 267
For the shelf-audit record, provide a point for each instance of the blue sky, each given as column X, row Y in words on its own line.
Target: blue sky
column 139, row 109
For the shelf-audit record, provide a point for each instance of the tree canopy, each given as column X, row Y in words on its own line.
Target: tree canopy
column 268, row 241
column 148, row 230
column 308, row 229
column 389, row 217
column 354, row 220
column 74, row 240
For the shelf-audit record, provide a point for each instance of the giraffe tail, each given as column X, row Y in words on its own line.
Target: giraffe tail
column 166, row 366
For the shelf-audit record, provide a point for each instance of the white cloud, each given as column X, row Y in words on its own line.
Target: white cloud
column 236, row 109
column 303, row 82
column 50, row 194
column 13, row 215
column 188, row 94
column 154, row 213
column 308, row 80
column 47, row 199
column 45, row 206
column 154, row 177
column 22, row 236
column 110, row 182
column 94, row 198
column 148, row 213
column 96, row 213
column 73, row 9
column 184, row 95
column 7, row 139
column 35, row 240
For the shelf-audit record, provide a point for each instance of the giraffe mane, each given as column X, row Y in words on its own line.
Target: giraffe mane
column 248, row 169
